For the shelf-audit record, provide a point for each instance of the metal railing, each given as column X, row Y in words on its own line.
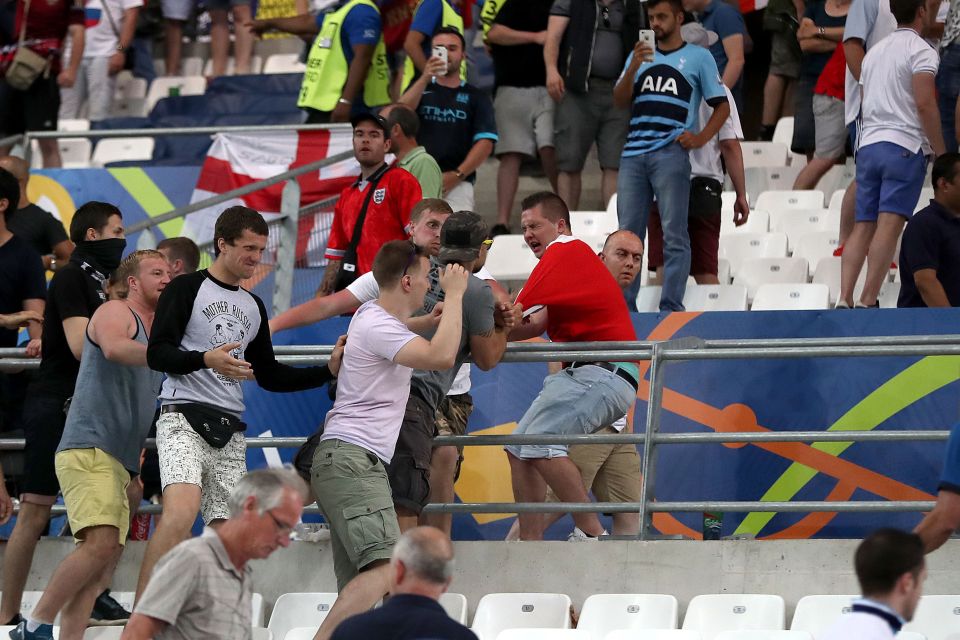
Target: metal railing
column 659, row 354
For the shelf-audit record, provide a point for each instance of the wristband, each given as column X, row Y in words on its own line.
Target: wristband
column 344, row 101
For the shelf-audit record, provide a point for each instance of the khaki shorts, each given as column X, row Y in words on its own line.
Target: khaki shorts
column 524, row 120
column 785, row 55
column 584, row 119
column 830, row 130
column 94, row 486
column 353, row 492
column 611, row 471
column 452, row 417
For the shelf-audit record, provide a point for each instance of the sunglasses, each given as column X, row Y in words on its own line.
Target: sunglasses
column 487, row 242
column 605, row 14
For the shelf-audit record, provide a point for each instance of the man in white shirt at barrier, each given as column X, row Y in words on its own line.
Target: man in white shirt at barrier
column 900, row 129
column 349, row 474
column 891, row 571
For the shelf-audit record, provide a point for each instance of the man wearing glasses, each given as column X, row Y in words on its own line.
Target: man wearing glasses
column 202, row 588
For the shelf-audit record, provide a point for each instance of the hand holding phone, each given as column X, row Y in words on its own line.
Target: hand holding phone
column 440, row 52
column 649, row 39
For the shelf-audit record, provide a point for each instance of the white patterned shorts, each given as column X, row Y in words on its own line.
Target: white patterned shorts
column 186, row 458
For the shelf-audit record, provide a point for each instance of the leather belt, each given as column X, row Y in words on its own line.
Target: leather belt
column 609, row 366
column 172, row 408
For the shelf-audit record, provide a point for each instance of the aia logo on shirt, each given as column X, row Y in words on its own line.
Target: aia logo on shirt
column 380, row 195
column 664, row 80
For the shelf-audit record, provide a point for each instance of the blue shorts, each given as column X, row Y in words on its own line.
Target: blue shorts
column 950, row 478
column 574, row 401
column 889, row 179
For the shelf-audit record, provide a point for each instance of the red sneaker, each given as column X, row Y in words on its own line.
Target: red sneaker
column 838, row 251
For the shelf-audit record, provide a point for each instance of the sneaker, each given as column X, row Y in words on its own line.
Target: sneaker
column 841, row 304
column 577, row 535
column 107, row 611
column 43, row 632
column 838, row 251
column 499, row 230
column 860, row 305
column 14, row 621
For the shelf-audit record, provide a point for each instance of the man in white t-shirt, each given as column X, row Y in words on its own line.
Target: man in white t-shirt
column 900, row 128
column 110, row 30
column 349, row 475
column 891, row 571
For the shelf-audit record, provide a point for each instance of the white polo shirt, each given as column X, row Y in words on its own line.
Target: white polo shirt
column 705, row 161
column 870, row 21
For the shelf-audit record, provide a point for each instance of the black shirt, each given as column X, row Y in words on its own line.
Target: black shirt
column 404, row 617
column 76, row 291
column 812, row 64
column 930, row 241
column 38, row 227
column 521, row 65
column 22, row 279
column 452, row 120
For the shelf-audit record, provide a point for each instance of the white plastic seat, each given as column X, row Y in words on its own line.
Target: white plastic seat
column 760, row 271
column 593, row 223
column 103, row 633
column 607, row 612
column 284, row 63
column 653, row 634
column 712, row 613
column 937, row 617
column 791, row 297
column 715, row 297
column 815, row 246
column 827, row 272
column 764, row 154
column 648, row 299
column 797, row 222
column 783, row 131
column 612, row 205
column 455, row 604
column 723, row 270
column 926, row 195
column 543, row 634
column 256, row 64
column 889, row 293
column 499, row 611
column 259, row 633
column 757, row 222
column 73, row 124
column 191, row 66
column 815, row 613
column 510, row 258
column 74, row 152
column 128, row 108
column 775, row 200
column 760, row 179
column 128, row 86
column 740, row 247
column 256, row 606
column 300, row 633
column 836, row 200
column 299, row 610
column 763, row 634
column 595, row 242
column 192, row 85
column 837, row 178
column 910, row 635
column 116, row 149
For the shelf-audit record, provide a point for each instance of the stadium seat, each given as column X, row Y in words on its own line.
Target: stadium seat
column 191, row 66
column 712, row 613
column 759, row 271
column 259, row 633
column 764, row 634
column 648, row 299
column 760, row 179
column 836, row 179
column 836, row 200
column 74, row 152
column 889, row 293
column 166, row 87
column 510, row 258
column 284, row 63
column 827, row 272
column 104, row 633
column 764, row 154
column 73, row 124
column 815, row 246
column 937, row 617
column 499, row 611
column 595, row 242
column 127, row 86
column 911, row 635
column 543, row 634
column 299, row 610
column 740, row 247
column 455, row 604
column 797, row 160
column 612, row 205
column 300, row 633
column 926, row 195
column 607, row 612
column 783, row 131
column 776, row 200
column 654, row 634
column 256, row 64
column 791, row 297
column 593, row 223
column 715, row 297
column 128, row 108
column 119, row 149
column 723, row 270
column 757, row 222
column 797, row 222
column 256, row 613
column 815, row 613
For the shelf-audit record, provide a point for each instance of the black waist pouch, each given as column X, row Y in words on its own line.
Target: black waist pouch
column 705, row 200
column 211, row 424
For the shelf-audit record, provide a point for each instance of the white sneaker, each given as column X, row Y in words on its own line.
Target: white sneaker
column 579, row 536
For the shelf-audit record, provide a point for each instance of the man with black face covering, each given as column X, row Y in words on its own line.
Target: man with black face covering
column 75, row 292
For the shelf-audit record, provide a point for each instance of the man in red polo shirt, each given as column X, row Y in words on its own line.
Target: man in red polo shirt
column 581, row 302
column 395, row 191
column 36, row 107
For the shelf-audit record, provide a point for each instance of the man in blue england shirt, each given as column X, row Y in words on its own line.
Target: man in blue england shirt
column 664, row 98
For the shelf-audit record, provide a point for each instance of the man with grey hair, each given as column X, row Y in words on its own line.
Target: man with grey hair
column 202, row 587
column 421, row 569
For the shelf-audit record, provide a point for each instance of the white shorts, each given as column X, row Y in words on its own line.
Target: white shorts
column 460, row 198
column 186, row 458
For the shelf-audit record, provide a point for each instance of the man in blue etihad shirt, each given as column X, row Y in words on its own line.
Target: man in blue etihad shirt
column 664, row 98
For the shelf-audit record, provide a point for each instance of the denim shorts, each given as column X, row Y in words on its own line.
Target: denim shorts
column 889, row 180
column 573, row 401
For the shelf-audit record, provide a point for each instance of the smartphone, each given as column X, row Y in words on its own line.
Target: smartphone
column 532, row 310
column 648, row 38
column 440, row 52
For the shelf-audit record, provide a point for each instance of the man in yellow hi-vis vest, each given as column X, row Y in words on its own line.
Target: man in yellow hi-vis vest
column 347, row 66
column 429, row 16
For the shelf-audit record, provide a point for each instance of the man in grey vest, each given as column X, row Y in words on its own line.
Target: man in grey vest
column 107, row 424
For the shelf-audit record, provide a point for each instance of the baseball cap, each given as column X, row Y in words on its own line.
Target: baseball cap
column 695, row 33
column 461, row 237
column 367, row 116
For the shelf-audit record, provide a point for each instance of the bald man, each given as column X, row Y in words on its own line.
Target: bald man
column 36, row 226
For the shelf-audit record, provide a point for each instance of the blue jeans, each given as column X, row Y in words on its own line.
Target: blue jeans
column 664, row 173
column 948, row 88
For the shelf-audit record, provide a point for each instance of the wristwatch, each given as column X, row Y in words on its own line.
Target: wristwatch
column 344, row 101
column 460, row 175
column 821, row 31
column 120, row 48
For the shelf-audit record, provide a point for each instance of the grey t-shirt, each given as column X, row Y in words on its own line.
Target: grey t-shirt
column 608, row 53
column 478, row 305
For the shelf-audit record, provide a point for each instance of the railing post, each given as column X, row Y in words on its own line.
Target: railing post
column 27, row 151
column 286, row 247
column 648, row 467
